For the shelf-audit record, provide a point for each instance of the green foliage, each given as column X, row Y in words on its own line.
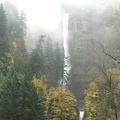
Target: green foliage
column 3, row 22
column 61, row 104
column 59, row 63
column 11, row 98
column 9, row 35
column 18, row 97
column 36, row 60
column 21, row 32
column 21, row 99
column 41, row 86
column 16, row 32
column 49, row 64
column 30, row 106
column 53, row 64
column 102, row 97
column 2, row 79
column 4, row 43
column 18, row 48
column 54, row 103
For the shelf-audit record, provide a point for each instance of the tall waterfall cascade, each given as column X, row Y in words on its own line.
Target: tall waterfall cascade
column 67, row 64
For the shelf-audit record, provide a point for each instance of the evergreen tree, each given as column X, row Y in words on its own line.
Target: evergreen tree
column 13, row 42
column 49, row 61
column 20, row 52
column 30, row 106
column 11, row 98
column 41, row 86
column 36, row 60
column 4, row 43
column 59, row 64
column 18, row 97
column 21, row 32
column 3, row 22
column 12, row 18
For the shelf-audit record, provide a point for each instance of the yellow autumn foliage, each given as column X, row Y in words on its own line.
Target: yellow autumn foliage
column 90, row 101
column 14, row 44
column 41, row 85
column 114, row 71
column 61, row 104
column 12, row 61
column 102, row 96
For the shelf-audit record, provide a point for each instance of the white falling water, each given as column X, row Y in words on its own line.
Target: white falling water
column 67, row 64
column 67, row 56
column 81, row 116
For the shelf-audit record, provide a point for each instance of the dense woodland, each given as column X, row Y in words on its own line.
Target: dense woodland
column 29, row 79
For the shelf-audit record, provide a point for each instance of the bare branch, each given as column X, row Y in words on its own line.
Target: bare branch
column 114, row 58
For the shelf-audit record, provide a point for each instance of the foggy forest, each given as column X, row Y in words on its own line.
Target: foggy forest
column 60, row 60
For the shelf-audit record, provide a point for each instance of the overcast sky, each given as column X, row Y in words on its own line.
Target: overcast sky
column 46, row 13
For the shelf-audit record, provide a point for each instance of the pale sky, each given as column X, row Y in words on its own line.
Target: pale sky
column 43, row 13
column 46, row 13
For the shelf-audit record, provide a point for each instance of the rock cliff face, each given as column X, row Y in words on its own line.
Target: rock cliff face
column 83, row 39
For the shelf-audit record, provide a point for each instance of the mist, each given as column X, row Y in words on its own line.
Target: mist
column 60, row 59
column 45, row 17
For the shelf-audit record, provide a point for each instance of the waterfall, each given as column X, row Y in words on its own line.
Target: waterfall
column 67, row 64
column 81, row 115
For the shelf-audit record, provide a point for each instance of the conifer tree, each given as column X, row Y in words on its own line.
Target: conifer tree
column 30, row 106
column 49, row 61
column 59, row 64
column 20, row 53
column 22, row 25
column 41, row 86
column 3, row 22
column 4, row 43
column 36, row 61
column 18, row 97
column 11, row 98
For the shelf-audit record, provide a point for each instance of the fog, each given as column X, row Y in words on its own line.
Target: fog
column 88, row 63
column 45, row 16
